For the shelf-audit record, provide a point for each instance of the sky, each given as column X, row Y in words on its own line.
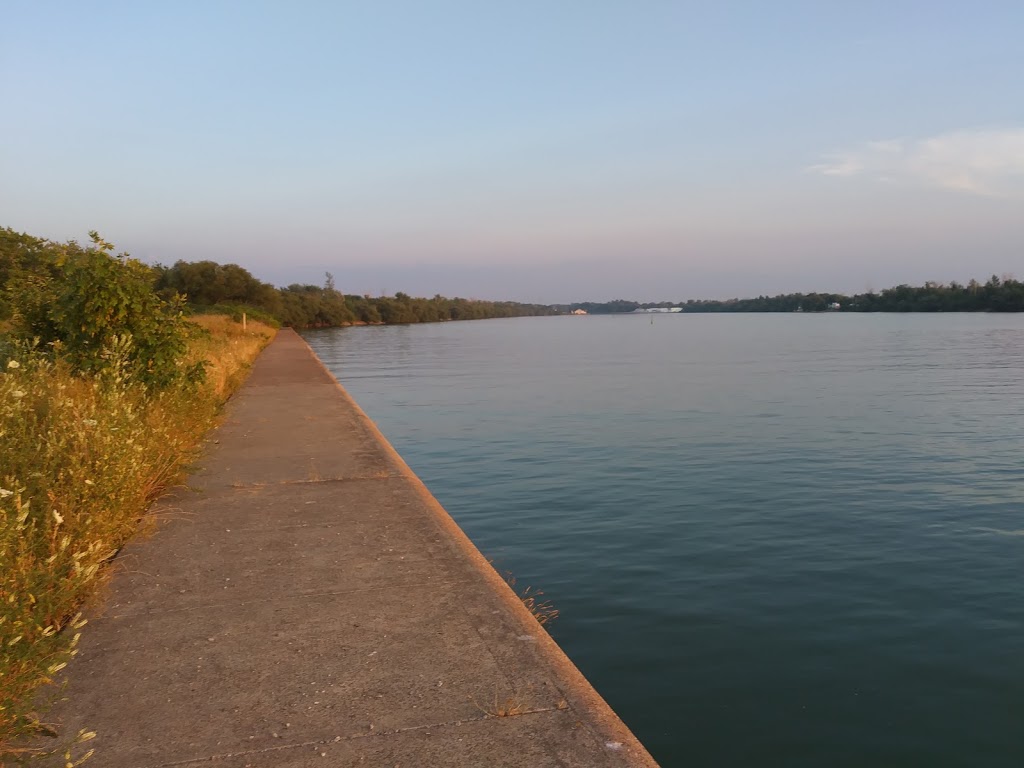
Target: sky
column 535, row 151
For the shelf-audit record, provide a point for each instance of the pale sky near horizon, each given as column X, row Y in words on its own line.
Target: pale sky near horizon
column 556, row 151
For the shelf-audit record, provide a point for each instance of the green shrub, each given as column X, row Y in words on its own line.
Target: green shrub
column 100, row 312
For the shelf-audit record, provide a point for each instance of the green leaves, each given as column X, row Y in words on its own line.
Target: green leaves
column 103, row 310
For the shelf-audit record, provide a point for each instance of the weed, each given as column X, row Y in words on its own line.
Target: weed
column 508, row 707
column 542, row 610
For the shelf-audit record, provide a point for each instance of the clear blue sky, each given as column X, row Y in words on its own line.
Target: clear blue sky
column 550, row 151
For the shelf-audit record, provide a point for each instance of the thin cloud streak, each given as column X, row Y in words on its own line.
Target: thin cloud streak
column 983, row 162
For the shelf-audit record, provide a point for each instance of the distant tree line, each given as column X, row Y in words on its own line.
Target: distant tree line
column 996, row 295
column 32, row 269
column 35, row 268
column 207, row 284
column 601, row 308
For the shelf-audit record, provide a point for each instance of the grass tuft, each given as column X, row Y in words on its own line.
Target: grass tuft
column 509, row 706
column 542, row 610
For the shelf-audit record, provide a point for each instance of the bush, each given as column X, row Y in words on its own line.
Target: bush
column 101, row 313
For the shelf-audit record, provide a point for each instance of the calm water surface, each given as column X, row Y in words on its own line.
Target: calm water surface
column 776, row 540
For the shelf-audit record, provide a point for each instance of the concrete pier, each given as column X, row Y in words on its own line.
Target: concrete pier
column 307, row 602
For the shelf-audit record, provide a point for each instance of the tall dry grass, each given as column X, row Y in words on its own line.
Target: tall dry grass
column 541, row 609
column 81, row 460
column 228, row 350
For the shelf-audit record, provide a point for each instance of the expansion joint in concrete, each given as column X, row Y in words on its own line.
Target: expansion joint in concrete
column 374, row 734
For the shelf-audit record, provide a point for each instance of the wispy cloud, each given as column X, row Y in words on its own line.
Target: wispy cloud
column 987, row 162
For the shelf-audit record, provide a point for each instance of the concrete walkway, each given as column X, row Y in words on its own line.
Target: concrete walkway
column 308, row 603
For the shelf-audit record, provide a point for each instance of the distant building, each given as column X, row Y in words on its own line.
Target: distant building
column 579, row 311
column 835, row 306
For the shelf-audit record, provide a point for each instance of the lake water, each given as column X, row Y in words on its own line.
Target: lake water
column 775, row 540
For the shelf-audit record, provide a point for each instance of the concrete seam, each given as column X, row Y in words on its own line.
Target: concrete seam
column 238, row 486
column 291, row 597
column 343, row 739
